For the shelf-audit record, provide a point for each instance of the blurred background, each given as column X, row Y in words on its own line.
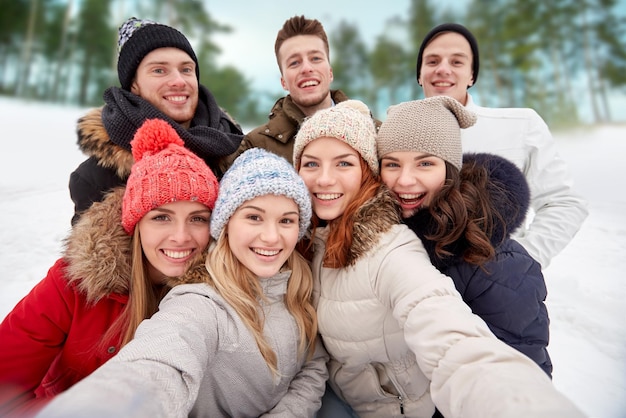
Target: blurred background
column 564, row 58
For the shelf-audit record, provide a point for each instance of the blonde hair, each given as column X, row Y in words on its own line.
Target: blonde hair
column 240, row 287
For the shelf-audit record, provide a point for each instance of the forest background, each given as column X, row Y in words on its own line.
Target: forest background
column 564, row 58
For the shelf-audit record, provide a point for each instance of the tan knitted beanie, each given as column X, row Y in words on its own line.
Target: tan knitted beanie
column 431, row 125
column 349, row 121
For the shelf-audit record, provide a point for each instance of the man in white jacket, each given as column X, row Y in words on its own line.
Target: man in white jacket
column 448, row 64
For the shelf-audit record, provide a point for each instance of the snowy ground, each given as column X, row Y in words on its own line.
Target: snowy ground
column 586, row 282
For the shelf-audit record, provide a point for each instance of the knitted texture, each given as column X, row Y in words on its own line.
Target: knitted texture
column 137, row 38
column 164, row 172
column 431, row 125
column 258, row 172
column 456, row 28
column 349, row 121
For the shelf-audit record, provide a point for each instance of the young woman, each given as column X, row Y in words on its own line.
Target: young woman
column 237, row 335
column 111, row 275
column 400, row 338
column 465, row 215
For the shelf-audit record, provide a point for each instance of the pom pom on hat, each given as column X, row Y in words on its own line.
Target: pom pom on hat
column 164, row 172
column 349, row 121
column 258, row 172
column 138, row 37
column 431, row 125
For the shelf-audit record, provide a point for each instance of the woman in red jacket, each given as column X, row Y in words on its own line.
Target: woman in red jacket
column 112, row 273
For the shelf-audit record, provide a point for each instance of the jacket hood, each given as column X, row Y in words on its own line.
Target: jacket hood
column 373, row 219
column 508, row 190
column 93, row 141
column 98, row 250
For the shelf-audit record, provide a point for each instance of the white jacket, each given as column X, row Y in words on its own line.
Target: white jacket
column 401, row 340
column 521, row 136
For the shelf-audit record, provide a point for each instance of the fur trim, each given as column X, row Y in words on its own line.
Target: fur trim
column 93, row 141
column 374, row 218
column 508, row 190
column 98, row 250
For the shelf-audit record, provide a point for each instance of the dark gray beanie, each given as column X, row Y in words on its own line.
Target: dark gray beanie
column 450, row 27
column 137, row 38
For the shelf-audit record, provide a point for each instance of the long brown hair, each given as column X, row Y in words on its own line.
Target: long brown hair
column 461, row 210
column 242, row 290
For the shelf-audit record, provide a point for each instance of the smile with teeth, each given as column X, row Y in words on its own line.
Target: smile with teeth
column 267, row 253
column 177, row 254
column 310, row 83
column 410, row 198
column 328, row 196
column 176, row 98
column 443, row 84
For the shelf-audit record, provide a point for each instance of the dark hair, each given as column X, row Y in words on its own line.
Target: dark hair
column 462, row 211
column 299, row 25
column 447, row 28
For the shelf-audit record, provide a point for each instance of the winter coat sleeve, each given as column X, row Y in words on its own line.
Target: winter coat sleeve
column 306, row 388
column 558, row 211
column 508, row 293
column 89, row 183
column 158, row 373
column 472, row 373
column 31, row 337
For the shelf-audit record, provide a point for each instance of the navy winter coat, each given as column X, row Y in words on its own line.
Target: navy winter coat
column 509, row 291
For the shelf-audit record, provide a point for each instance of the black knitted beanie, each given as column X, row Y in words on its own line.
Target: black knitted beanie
column 137, row 38
column 450, row 27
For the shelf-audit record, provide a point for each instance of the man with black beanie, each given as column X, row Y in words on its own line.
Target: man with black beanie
column 159, row 78
column 447, row 65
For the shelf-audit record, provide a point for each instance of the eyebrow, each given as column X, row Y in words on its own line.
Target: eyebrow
column 263, row 210
column 338, row 157
column 417, row 158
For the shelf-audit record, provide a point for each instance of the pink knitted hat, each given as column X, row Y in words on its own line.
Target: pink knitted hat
column 164, row 171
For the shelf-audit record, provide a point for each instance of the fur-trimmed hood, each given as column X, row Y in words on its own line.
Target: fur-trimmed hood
column 374, row 218
column 509, row 193
column 98, row 250
column 93, row 141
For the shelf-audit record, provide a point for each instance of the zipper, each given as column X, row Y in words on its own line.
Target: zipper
column 401, row 404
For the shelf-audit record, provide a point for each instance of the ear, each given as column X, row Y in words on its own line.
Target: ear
column 332, row 76
column 419, row 81
column 283, row 84
column 134, row 88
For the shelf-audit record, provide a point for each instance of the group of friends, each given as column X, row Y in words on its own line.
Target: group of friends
column 324, row 264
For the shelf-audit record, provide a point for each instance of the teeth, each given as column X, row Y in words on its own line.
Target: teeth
column 265, row 252
column 443, row 84
column 309, row 84
column 177, row 98
column 410, row 196
column 328, row 196
column 177, row 254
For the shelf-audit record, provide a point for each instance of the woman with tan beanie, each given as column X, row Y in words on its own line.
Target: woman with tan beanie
column 400, row 338
column 113, row 272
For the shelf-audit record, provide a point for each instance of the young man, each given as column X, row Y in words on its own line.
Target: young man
column 159, row 78
column 302, row 54
column 448, row 64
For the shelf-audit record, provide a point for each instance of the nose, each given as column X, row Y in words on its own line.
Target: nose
column 406, row 177
column 443, row 67
column 176, row 79
column 180, row 232
column 307, row 66
column 326, row 177
column 269, row 234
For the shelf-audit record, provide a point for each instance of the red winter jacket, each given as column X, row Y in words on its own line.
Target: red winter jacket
column 53, row 337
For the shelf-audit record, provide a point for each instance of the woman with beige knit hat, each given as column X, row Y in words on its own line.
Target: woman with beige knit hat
column 400, row 338
column 465, row 213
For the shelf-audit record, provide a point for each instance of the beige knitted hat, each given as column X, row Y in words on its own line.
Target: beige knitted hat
column 349, row 121
column 430, row 125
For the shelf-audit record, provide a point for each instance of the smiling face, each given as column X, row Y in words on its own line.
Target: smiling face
column 171, row 235
column 447, row 67
column 413, row 177
column 263, row 232
column 166, row 78
column 306, row 72
column 331, row 170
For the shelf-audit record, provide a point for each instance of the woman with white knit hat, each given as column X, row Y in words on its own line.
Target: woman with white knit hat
column 237, row 334
column 400, row 338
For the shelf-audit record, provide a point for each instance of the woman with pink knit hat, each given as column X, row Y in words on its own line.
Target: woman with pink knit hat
column 113, row 272
column 401, row 340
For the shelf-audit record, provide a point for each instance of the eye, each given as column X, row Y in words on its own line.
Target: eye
column 253, row 217
column 160, row 218
column 344, row 163
column 158, row 70
column 200, row 219
column 289, row 221
column 310, row 164
column 391, row 164
column 188, row 70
